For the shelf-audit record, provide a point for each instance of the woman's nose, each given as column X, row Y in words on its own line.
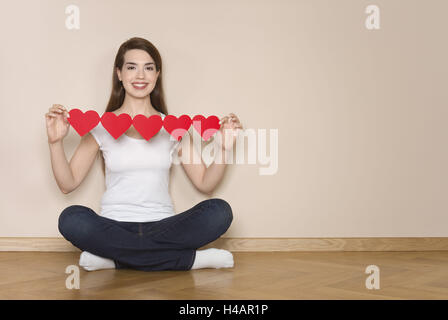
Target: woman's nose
column 140, row 73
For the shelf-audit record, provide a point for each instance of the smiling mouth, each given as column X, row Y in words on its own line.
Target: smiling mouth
column 139, row 85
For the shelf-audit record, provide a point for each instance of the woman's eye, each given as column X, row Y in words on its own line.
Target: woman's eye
column 149, row 68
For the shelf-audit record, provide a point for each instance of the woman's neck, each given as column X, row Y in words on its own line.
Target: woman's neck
column 134, row 106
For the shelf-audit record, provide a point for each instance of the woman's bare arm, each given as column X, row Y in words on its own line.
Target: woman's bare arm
column 61, row 168
column 70, row 175
column 206, row 179
column 203, row 178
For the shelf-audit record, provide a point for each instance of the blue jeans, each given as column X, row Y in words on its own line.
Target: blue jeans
column 167, row 244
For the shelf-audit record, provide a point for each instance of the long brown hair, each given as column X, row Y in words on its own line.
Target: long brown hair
column 118, row 92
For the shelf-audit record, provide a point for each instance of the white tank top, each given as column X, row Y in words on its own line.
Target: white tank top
column 137, row 175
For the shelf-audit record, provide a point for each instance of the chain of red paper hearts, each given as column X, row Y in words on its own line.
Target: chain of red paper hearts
column 148, row 127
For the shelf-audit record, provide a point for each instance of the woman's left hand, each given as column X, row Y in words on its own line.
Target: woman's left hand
column 230, row 125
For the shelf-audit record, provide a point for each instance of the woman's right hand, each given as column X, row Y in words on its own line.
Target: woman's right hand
column 57, row 123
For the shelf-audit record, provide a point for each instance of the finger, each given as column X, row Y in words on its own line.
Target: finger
column 55, row 109
column 61, row 110
column 223, row 120
column 235, row 118
column 235, row 122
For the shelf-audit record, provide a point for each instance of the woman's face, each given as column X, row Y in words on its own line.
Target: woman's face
column 138, row 67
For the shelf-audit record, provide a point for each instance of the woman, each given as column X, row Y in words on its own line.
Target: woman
column 137, row 227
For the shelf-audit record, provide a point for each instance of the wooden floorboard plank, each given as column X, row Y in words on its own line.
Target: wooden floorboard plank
column 256, row 275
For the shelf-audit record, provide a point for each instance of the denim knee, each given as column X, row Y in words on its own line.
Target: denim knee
column 223, row 212
column 68, row 221
column 62, row 225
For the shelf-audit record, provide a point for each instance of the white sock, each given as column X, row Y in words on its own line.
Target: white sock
column 213, row 258
column 91, row 262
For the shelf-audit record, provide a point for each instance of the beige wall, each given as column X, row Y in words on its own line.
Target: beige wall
column 361, row 114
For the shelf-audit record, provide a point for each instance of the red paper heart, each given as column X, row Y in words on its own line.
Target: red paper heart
column 147, row 127
column 177, row 127
column 206, row 127
column 83, row 122
column 116, row 125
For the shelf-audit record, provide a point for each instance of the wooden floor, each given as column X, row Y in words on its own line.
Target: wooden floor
column 256, row 275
